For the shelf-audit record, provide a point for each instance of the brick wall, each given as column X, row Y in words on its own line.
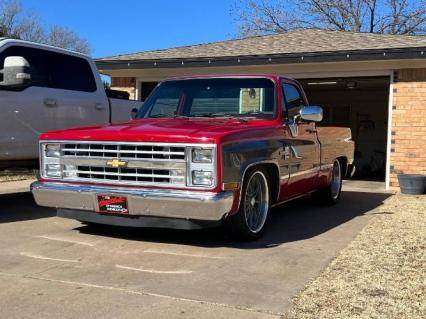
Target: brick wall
column 408, row 140
column 124, row 84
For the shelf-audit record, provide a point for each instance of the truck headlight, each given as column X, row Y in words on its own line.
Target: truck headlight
column 52, row 150
column 53, row 170
column 202, row 155
column 202, row 178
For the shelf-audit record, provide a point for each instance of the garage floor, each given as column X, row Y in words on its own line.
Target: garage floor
column 52, row 267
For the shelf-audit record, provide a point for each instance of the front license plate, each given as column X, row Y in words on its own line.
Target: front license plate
column 112, row 204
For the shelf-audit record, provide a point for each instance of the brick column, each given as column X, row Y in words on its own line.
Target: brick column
column 408, row 140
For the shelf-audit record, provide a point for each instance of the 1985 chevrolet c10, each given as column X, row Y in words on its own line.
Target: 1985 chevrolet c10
column 202, row 151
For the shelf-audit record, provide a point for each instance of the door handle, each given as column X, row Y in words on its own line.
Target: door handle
column 50, row 102
column 99, row 106
column 310, row 130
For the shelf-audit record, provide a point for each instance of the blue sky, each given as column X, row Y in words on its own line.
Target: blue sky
column 130, row 26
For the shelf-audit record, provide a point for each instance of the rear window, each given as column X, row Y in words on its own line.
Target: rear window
column 71, row 73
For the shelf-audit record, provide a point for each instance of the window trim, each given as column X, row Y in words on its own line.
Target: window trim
column 284, row 109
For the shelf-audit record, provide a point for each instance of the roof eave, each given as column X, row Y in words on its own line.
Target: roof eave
column 285, row 58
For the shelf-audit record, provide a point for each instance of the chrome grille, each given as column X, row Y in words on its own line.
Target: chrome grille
column 124, row 151
column 145, row 163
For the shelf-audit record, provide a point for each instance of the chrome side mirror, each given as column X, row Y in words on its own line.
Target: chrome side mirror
column 311, row 113
column 16, row 72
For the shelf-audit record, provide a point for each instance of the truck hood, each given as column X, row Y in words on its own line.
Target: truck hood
column 178, row 130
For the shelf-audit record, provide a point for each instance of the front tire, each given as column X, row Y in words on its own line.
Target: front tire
column 331, row 194
column 249, row 223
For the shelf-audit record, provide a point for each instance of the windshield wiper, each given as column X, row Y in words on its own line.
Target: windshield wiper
column 213, row 115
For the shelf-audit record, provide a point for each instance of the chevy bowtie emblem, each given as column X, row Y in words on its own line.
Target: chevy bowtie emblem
column 116, row 163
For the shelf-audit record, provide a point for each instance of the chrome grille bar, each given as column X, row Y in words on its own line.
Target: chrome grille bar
column 124, row 151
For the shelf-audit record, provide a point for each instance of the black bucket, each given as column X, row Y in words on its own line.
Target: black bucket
column 412, row 184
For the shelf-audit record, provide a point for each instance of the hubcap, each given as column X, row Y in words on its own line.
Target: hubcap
column 256, row 202
column 336, row 180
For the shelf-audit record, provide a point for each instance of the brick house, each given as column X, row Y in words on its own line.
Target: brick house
column 375, row 84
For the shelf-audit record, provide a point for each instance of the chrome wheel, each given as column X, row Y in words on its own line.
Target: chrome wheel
column 336, row 180
column 256, row 202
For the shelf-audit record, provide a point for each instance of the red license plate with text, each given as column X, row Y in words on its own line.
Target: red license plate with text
column 112, row 204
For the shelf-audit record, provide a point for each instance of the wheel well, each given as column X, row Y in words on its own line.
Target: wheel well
column 274, row 178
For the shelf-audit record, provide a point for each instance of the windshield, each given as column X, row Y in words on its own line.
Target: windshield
column 216, row 97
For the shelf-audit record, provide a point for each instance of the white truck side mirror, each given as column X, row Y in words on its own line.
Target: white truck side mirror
column 16, row 72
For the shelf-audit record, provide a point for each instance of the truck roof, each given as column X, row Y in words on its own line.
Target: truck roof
column 271, row 76
column 231, row 75
column 45, row 46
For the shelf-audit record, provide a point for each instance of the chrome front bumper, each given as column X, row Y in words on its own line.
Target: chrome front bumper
column 177, row 204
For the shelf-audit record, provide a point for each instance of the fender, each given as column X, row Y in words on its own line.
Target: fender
column 239, row 157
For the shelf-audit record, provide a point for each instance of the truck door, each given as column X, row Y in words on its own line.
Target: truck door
column 63, row 93
column 303, row 143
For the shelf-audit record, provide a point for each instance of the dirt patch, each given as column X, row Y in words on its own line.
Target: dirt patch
column 11, row 175
column 381, row 274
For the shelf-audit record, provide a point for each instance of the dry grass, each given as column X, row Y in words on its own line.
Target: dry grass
column 17, row 175
column 381, row 274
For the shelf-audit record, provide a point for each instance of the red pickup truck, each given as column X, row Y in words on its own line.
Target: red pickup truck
column 201, row 151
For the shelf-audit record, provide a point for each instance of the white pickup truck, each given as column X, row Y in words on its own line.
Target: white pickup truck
column 43, row 88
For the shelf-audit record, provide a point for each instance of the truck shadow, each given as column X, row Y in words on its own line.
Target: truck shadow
column 20, row 207
column 294, row 221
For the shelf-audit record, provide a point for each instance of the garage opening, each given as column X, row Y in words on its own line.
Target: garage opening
column 360, row 103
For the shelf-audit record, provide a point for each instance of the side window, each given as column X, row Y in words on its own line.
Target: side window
column 294, row 100
column 54, row 70
column 71, row 73
column 38, row 61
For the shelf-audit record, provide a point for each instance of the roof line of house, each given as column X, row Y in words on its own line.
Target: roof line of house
column 282, row 58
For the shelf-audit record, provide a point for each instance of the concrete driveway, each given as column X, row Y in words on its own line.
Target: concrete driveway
column 52, row 267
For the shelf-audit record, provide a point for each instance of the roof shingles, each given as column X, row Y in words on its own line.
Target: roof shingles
column 299, row 41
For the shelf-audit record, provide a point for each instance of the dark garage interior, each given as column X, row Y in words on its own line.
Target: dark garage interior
column 360, row 103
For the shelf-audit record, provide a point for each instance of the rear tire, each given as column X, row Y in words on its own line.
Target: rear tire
column 250, row 220
column 330, row 195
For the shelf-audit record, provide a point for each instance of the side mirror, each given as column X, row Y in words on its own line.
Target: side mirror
column 134, row 112
column 311, row 113
column 16, row 72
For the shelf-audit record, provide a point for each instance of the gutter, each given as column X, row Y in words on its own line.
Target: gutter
column 284, row 58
